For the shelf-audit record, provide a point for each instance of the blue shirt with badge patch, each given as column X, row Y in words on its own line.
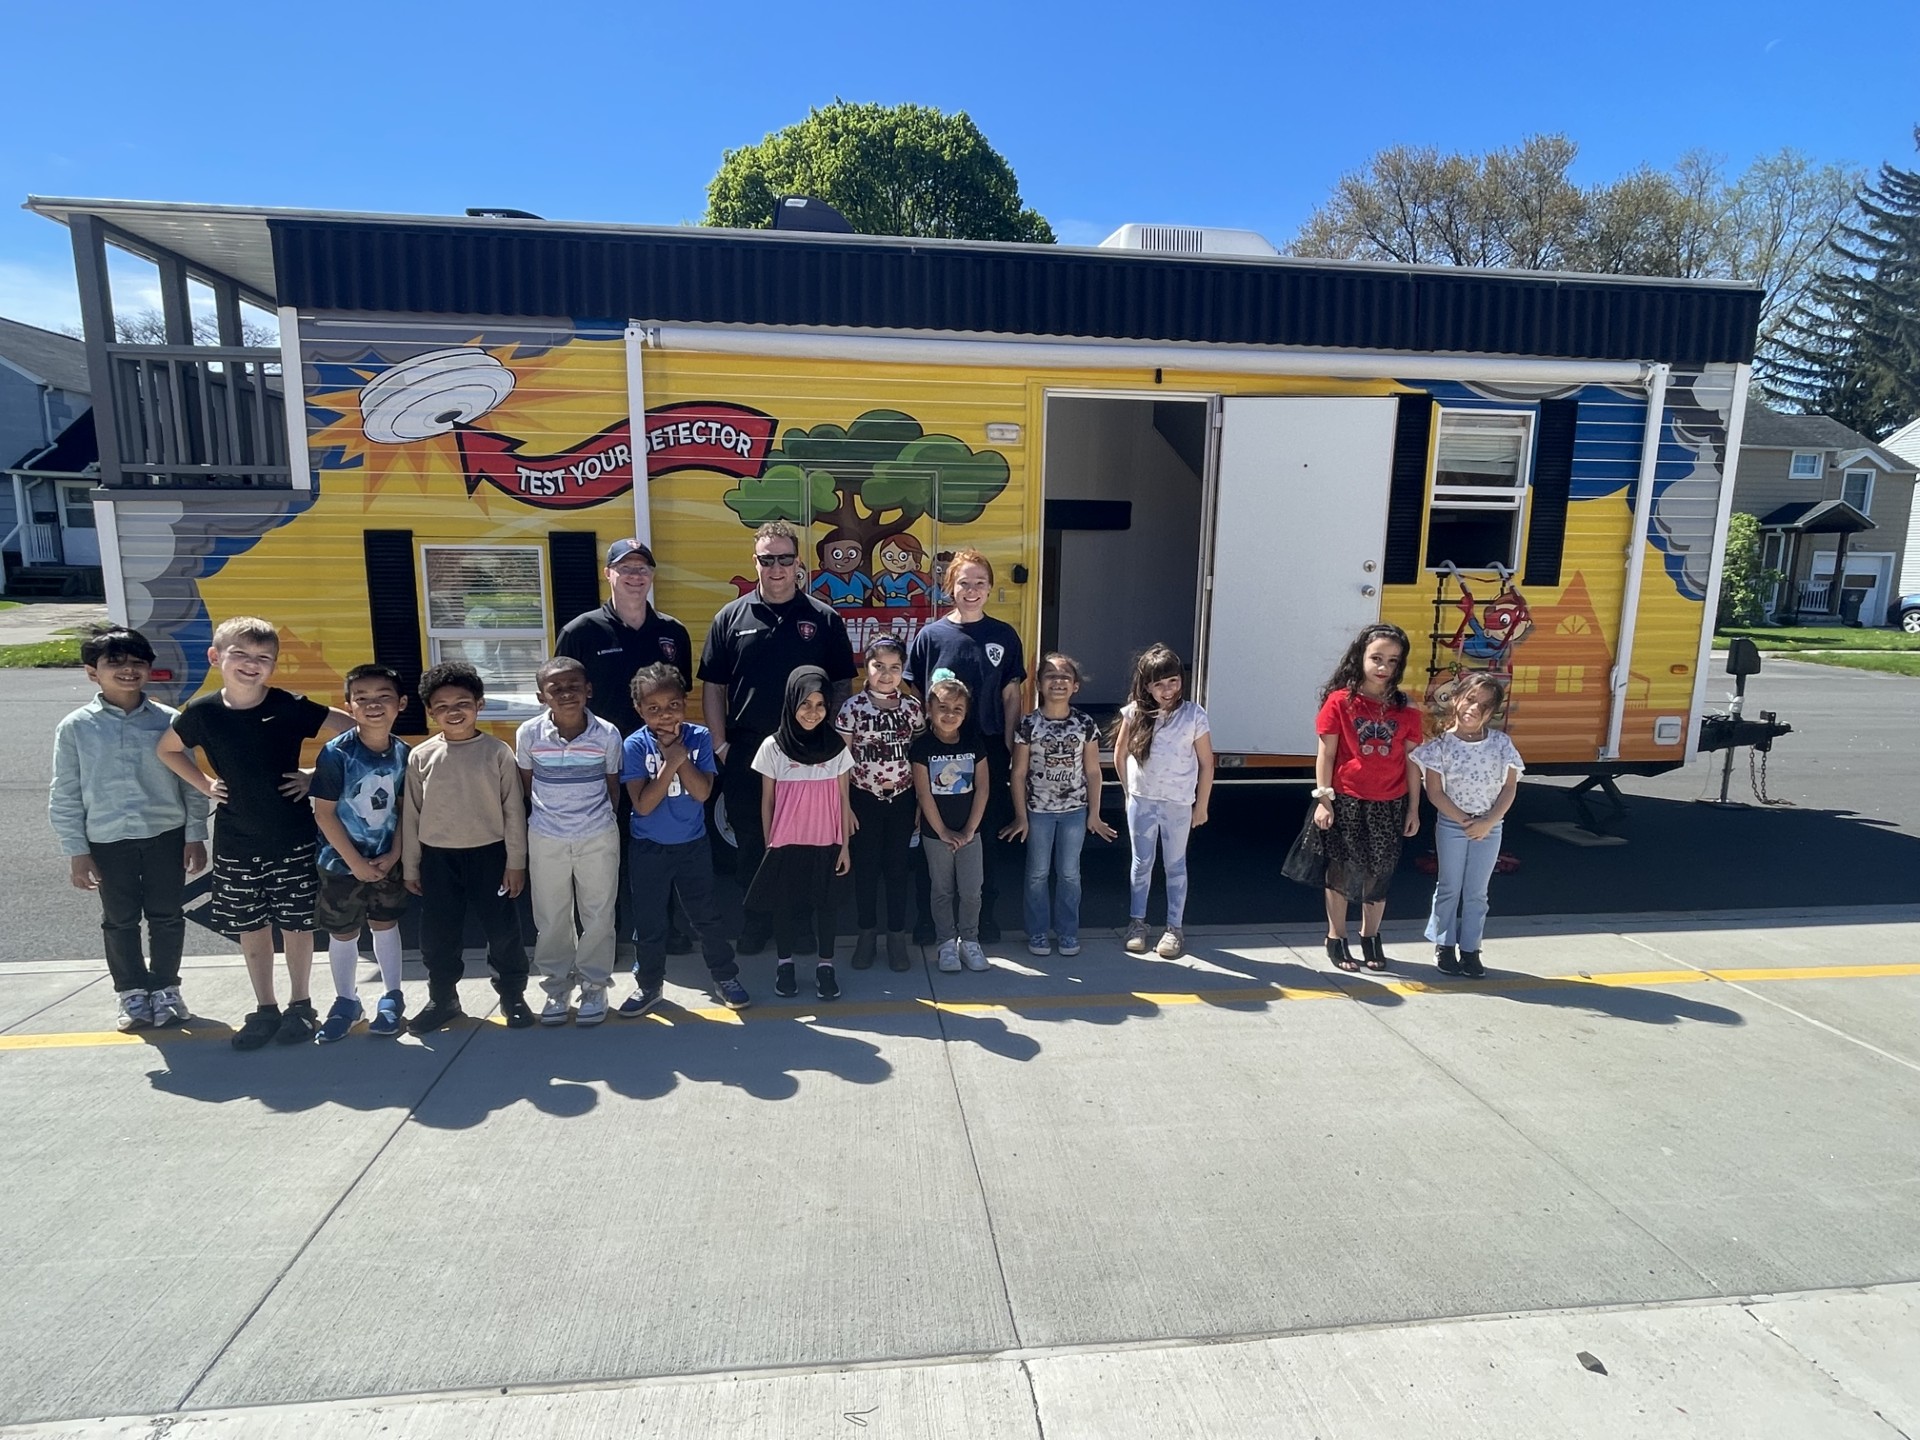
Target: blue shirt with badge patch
column 679, row 818
column 365, row 786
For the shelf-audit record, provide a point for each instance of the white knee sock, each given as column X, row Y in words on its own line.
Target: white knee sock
column 386, row 953
column 344, row 957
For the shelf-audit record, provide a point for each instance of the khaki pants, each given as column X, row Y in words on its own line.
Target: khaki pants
column 565, row 876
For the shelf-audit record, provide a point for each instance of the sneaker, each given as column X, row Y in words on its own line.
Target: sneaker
column 972, row 956
column 390, row 1016
column 342, row 1016
column 558, row 1009
column 865, row 946
column 1470, row 965
column 897, row 956
column 1171, row 944
column 593, row 1005
column 299, row 1024
column 824, row 985
column 258, row 1028
column 167, row 1006
column 950, row 956
column 783, row 982
column 136, row 1011
column 1136, row 937
column 437, row 1016
column 518, row 1013
column 1038, row 945
column 1447, row 959
column 732, row 993
column 642, row 1000
column 1069, row 946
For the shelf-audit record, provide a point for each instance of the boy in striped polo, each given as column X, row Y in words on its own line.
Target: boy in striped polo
column 569, row 762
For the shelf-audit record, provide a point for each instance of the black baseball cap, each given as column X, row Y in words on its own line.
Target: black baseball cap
column 621, row 549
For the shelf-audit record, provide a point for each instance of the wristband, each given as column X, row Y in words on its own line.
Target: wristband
column 1323, row 792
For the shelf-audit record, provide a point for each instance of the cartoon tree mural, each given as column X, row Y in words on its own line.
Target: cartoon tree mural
column 871, row 479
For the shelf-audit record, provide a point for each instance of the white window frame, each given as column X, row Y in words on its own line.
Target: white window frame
column 1819, row 470
column 514, row 705
column 1865, row 507
column 1482, row 497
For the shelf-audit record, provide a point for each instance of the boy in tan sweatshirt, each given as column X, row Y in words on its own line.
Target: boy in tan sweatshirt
column 464, row 848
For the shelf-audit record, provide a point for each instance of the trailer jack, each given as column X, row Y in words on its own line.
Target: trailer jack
column 1733, row 730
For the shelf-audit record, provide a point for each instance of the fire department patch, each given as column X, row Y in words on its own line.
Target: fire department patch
column 807, row 629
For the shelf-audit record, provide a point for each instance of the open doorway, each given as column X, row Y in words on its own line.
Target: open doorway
column 1123, row 487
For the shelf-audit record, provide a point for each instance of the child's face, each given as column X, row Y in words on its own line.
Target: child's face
column 1473, row 708
column 1059, row 684
column 883, row 672
column 245, row 664
column 947, row 714
column 811, row 712
column 662, row 710
column 566, row 693
column 456, row 711
column 1381, row 662
column 1165, row 692
column 121, row 680
column 374, row 704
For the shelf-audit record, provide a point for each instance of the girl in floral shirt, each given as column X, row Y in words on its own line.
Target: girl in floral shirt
column 878, row 725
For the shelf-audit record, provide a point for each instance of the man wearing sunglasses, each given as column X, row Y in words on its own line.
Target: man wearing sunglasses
column 753, row 645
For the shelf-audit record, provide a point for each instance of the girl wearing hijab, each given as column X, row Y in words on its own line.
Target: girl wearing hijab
column 805, row 770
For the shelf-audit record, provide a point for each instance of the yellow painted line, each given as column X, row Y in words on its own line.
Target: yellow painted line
column 1343, row 987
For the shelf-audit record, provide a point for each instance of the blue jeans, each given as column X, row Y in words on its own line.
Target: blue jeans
column 1053, row 843
column 1161, row 824
column 1460, row 893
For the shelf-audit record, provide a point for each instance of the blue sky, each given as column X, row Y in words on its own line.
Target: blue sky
column 1226, row 114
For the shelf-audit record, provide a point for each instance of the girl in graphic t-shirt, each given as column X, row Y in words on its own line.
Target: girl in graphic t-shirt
column 1471, row 774
column 1164, row 752
column 1363, row 781
column 878, row 725
column 805, row 768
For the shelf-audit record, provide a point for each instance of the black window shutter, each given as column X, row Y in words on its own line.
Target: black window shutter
column 1552, row 481
column 1407, row 492
column 393, row 605
column 573, row 574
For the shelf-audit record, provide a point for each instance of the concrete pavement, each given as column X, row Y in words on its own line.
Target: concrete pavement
column 1236, row 1194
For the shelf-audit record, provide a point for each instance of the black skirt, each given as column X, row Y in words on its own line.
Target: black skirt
column 792, row 874
column 1363, row 846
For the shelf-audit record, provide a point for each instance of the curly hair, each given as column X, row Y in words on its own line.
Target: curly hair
column 1351, row 673
column 454, row 675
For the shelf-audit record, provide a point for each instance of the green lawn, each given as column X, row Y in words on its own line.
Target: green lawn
column 1821, row 637
column 1904, row 664
column 45, row 655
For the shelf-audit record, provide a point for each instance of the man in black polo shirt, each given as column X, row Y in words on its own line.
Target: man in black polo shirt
column 753, row 645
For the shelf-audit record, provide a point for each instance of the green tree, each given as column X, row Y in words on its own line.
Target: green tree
column 890, row 169
column 1744, row 582
column 873, row 478
column 1851, row 347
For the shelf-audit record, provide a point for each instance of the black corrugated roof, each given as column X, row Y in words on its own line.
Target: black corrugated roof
column 694, row 276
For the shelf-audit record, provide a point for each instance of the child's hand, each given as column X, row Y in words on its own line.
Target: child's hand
column 843, row 863
column 1412, row 827
column 1016, row 831
column 1478, row 828
column 1097, row 826
column 193, row 857
column 965, row 838
column 217, row 791
column 83, row 872
column 1199, row 816
column 853, row 823
column 1323, row 814
column 385, row 863
column 513, row 883
column 673, row 757
column 413, row 885
column 364, row 870
column 294, row 784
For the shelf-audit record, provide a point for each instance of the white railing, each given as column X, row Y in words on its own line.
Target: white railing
column 40, row 545
column 1815, row 597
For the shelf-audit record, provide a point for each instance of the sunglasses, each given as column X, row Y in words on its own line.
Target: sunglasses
column 767, row 562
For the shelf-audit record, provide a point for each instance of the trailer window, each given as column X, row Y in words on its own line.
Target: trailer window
column 486, row 605
column 1479, row 489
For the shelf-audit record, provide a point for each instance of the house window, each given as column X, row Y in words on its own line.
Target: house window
column 1479, row 489
column 486, row 605
column 76, row 510
column 1856, row 488
column 1807, row 465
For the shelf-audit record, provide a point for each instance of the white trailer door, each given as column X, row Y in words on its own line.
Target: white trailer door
column 1299, row 529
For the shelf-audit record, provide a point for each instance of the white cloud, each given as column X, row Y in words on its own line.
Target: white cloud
column 37, row 295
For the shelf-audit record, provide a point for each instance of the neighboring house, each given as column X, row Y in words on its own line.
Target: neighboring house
column 1833, row 507
column 1905, row 442
column 43, row 389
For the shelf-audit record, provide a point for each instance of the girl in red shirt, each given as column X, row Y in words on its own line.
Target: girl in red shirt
column 1364, row 784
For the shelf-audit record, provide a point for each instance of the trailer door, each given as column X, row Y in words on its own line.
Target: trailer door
column 1299, row 528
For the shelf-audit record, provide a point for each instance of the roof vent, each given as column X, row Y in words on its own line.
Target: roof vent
column 499, row 212
column 1187, row 240
column 803, row 212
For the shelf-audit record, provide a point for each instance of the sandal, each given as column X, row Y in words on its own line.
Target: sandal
column 1371, row 948
column 1338, row 953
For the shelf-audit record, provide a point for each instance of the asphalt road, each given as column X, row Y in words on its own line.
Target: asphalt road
column 1849, row 832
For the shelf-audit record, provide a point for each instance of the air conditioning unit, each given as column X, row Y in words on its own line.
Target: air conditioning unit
column 1187, row 240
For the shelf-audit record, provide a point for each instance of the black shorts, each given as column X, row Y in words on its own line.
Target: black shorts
column 344, row 904
column 252, row 891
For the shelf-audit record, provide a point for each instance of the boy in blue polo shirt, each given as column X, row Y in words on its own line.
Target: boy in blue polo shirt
column 669, row 772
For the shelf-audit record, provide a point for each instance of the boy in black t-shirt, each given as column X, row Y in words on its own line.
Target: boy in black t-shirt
column 950, row 777
column 264, row 845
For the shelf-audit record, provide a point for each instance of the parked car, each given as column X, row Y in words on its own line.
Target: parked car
column 1909, row 612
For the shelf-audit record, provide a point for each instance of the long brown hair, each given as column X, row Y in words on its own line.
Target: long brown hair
column 1351, row 673
column 1156, row 662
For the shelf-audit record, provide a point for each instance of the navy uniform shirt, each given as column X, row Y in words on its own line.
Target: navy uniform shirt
column 753, row 647
column 614, row 653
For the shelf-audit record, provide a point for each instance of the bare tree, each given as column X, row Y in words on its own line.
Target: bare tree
column 149, row 327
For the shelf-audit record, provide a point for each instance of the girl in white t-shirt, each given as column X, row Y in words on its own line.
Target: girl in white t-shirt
column 1165, row 757
column 1471, row 774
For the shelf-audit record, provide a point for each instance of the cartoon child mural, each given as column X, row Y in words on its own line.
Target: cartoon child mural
column 841, row 582
column 901, row 585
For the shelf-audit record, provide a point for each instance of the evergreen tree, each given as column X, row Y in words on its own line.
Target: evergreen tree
column 1851, row 347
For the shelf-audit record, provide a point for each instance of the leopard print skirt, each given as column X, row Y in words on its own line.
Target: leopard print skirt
column 1363, row 846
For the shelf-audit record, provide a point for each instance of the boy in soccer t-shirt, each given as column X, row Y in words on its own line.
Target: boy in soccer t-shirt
column 264, row 847
column 357, row 782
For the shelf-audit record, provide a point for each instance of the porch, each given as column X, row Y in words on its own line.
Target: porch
column 1801, row 596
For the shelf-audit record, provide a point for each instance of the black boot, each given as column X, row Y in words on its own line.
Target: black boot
column 1447, row 958
column 1376, row 954
column 1338, row 953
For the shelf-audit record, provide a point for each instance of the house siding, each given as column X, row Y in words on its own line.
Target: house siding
column 1764, row 486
